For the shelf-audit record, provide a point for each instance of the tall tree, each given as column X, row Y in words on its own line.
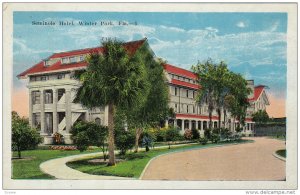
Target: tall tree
column 114, row 78
column 213, row 79
column 221, row 87
column 239, row 101
column 153, row 105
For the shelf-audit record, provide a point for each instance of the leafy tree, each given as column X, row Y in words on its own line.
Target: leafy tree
column 261, row 116
column 208, row 80
column 114, row 78
column 23, row 136
column 85, row 134
column 238, row 102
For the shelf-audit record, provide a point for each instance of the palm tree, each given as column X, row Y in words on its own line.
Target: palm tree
column 114, row 78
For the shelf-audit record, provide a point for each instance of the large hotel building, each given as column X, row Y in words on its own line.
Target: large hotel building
column 52, row 89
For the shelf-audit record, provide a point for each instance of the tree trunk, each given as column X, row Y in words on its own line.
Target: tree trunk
column 19, row 152
column 224, row 118
column 210, row 120
column 137, row 137
column 111, row 136
column 219, row 114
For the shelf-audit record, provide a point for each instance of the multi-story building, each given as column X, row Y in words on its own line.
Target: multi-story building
column 189, row 114
column 52, row 89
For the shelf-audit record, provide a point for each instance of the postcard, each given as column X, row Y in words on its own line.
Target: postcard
column 150, row 96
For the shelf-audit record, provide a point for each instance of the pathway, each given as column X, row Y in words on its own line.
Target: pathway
column 250, row 161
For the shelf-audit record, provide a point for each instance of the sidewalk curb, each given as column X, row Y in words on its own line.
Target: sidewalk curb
column 279, row 157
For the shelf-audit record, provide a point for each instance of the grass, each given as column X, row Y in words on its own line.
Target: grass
column 134, row 163
column 281, row 153
column 28, row 166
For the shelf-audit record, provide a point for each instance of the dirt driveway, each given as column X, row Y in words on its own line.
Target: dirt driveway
column 251, row 161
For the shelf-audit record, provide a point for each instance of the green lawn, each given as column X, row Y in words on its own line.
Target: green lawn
column 28, row 167
column 281, row 153
column 134, row 163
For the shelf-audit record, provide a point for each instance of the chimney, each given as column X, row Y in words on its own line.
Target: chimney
column 250, row 84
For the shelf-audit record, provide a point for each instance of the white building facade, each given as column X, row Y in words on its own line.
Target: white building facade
column 52, row 90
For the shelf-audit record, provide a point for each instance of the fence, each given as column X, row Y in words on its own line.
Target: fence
column 270, row 130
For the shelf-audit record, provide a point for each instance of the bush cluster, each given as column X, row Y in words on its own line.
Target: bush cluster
column 124, row 140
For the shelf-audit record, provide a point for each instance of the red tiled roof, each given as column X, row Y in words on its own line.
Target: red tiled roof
column 179, row 71
column 131, row 47
column 185, row 84
column 257, row 91
column 195, row 116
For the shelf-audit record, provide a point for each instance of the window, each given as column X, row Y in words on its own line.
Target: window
column 36, row 97
column 193, row 109
column 44, row 78
column 60, row 93
column 64, row 60
column 199, row 125
column 98, row 121
column 36, row 120
column 48, row 97
column 72, row 59
column 81, row 58
column 175, row 91
column 175, row 107
column 193, row 94
column 49, row 122
column 187, row 108
column 60, row 76
column 187, row 93
column 47, row 63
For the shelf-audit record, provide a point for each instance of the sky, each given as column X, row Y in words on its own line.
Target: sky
column 252, row 44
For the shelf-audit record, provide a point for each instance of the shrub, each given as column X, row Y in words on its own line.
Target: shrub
column 160, row 135
column 124, row 140
column 188, row 135
column 207, row 133
column 58, row 138
column 195, row 133
column 172, row 135
column 215, row 138
column 225, row 134
column 23, row 136
column 147, row 142
column 203, row 140
column 85, row 134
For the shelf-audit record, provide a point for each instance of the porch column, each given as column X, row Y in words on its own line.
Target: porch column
column 68, row 111
column 55, row 118
column 166, row 123
column 30, row 108
column 182, row 125
column 87, row 118
column 190, row 124
column 42, row 104
column 196, row 124
column 175, row 123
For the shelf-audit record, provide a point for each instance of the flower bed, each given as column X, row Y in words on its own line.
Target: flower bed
column 63, row 147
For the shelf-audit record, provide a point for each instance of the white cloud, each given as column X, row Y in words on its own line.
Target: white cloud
column 241, row 24
column 274, row 26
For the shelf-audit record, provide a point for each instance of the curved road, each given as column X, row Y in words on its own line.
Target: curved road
column 250, row 161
